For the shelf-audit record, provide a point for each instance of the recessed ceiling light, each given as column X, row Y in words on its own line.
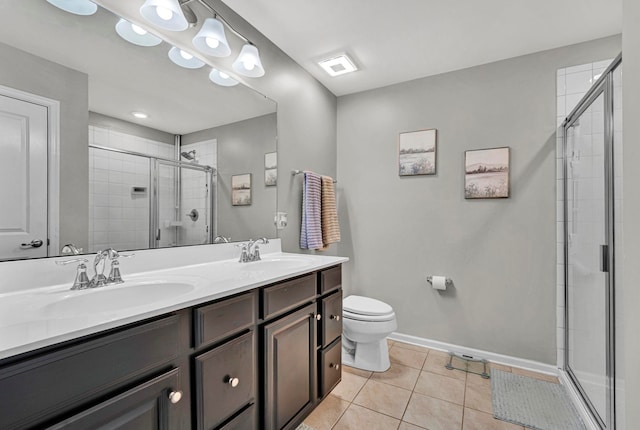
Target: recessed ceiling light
column 140, row 115
column 338, row 65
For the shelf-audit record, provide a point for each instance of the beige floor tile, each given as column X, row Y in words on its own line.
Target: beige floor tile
column 478, row 397
column 398, row 375
column 359, row 372
column 536, row 375
column 406, row 426
column 478, row 367
column 435, row 363
column 433, row 414
column 356, row 418
column 499, row 366
column 383, row 398
column 349, row 386
column 441, row 387
column 411, row 347
column 407, row 357
column 478, row 380
column 327, row 413
column 476, row 420
column 390, row 342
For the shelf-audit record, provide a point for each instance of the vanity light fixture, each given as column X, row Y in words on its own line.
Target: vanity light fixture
column 166, row 14
column 339, row 65
column 211, row 39
column 135, row 34
column 184, row 59
column 140, row 115
column 78, row 7
column 221, row 78
column 248, row 62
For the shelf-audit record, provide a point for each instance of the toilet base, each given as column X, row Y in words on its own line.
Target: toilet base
column 372, row 356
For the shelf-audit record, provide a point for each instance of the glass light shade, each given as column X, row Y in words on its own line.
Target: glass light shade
column 165, row 14
column 78, row 7
column 221, row 78
column 184, row 59
column 213, row 30
column 248, row 62
column 136, row 35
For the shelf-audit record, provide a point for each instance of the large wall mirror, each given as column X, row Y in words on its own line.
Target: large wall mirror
column 202, row 164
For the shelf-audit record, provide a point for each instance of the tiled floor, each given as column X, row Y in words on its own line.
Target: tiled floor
column 417, row 392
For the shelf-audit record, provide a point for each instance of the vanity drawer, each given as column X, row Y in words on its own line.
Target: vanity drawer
column 330, row 367
column 222, row 319
column 288, row 295
column 245, row 421
column 54, row 383
column 216, row 396
column 330, row 279
column 331, row 321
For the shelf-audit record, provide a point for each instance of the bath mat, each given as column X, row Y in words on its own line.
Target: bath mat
column 303, row 426
column 532, row 403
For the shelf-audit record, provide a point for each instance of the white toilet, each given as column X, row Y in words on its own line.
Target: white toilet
column 366, row 323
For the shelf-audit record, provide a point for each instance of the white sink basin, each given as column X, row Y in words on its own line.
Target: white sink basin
column 116, row 297
column 277, row 263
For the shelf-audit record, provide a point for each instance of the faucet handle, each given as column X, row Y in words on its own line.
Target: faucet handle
column 82, row 280
column 115, row 277
column 74, row 260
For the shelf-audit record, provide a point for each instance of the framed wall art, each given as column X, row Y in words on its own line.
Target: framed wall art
column 486, row 173
column 417, row 153
column 271, row 169
column 241, row 189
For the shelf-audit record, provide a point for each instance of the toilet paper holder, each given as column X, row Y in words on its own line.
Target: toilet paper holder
column 448, row 282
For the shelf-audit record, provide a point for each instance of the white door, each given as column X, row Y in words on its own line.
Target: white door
column 23, row 179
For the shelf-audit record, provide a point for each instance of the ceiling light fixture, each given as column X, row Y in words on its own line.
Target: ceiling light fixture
column 140, row 115
column 166, row 14
column 211, row 39
column 339, row 65
column 248, row 62
column 78, row 7
column 184, row 59
column 221, row 78
column 135, row 34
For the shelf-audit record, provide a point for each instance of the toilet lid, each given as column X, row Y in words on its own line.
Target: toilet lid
column 366, row 306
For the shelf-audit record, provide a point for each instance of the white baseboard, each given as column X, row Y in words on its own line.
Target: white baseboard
column 577, row 402
column 490, row 356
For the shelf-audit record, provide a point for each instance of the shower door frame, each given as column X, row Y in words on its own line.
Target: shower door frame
column 603, row 86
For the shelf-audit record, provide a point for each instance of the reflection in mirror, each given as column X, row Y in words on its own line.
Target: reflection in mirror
column 107, row 178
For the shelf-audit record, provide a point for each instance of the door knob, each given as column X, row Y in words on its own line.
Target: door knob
column 335, row 317
column 234, row 382
column 334, row 366
column 36, row 243
column 175, row 396
column 318, row 317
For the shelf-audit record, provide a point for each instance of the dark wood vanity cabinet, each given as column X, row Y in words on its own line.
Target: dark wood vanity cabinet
column 257, row 360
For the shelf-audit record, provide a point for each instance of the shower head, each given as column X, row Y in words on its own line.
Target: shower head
column 190, row 155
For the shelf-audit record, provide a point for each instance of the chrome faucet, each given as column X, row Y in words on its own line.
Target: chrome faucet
column 82, row 281
column 246, row 255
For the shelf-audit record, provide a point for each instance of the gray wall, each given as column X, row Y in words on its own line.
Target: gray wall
column 499, row 253
column 306, row 124
column 116, row 124
column 631, row 201
column 241, row 149
column 35, row 75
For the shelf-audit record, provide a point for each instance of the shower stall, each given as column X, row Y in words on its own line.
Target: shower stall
column 592, row 135
column 140, row 201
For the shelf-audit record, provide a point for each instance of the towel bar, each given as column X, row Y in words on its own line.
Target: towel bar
column 299, row 172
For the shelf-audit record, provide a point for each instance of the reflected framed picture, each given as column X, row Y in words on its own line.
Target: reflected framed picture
column 486, row 173
column 417, row 153
column 241, row 189
column 271, row 169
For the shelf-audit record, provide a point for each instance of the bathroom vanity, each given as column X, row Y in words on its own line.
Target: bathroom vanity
column 258, row 357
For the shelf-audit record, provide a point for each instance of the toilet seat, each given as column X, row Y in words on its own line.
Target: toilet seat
column 366, row 309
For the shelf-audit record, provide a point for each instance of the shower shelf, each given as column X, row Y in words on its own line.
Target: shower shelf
column 466, row 363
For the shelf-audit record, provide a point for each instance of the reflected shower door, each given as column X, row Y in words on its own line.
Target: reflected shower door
column 195, row 206
column 588, row 340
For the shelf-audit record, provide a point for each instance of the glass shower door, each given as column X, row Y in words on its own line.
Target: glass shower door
column 588, row 283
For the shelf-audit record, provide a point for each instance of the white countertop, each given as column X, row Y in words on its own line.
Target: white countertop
column 37, row 317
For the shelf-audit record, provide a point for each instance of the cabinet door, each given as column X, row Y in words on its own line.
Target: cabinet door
column 146, row 407
column 331, row 321
column 290, row 368
column 330, row 367
column 225, row 380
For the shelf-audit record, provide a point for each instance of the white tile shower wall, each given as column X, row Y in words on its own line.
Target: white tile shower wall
column 194, row 194
column 118, row 217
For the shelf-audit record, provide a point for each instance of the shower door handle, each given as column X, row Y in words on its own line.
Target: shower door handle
column 159, row 235
column 604, row 258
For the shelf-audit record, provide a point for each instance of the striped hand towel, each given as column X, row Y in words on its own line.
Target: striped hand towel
column 311, row 229
column 330, row 226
